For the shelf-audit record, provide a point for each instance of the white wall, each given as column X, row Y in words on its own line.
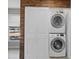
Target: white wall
column 36, row 33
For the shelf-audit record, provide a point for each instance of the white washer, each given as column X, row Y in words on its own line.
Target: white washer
column 57, row 45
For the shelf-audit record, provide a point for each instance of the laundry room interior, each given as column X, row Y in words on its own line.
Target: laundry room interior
column 45, row 29
column 39, row 29
column 47, row 33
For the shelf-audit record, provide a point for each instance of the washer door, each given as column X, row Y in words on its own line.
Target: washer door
column 57, row 44
column 57, row 21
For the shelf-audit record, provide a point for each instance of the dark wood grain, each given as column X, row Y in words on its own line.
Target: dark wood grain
column 37, row 3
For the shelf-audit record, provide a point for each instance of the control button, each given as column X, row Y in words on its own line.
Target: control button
column 61, row 34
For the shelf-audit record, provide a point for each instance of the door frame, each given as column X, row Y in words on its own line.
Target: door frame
column 37, row 3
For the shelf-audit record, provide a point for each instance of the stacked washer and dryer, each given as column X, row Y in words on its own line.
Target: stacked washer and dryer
column 58, row 33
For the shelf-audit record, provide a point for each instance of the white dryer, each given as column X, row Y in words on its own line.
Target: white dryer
column 57, row 22
column 57, row 45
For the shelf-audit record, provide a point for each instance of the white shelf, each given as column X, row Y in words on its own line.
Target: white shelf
column 13, row 53
column 13, row 10
column 13, row 3
column 13, row 20
column 13, row 43
column 14, row 16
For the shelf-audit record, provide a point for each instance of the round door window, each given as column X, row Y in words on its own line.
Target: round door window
column 57, row 21
column 57, row 44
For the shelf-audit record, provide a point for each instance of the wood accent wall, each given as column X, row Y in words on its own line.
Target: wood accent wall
column 37, row 3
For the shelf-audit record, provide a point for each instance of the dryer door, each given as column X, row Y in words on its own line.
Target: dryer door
column 57, row 21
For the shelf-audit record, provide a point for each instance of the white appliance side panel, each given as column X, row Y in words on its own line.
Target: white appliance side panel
column 36, row 33
column 69, row 34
